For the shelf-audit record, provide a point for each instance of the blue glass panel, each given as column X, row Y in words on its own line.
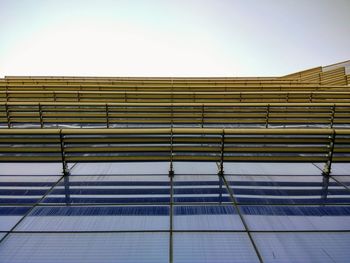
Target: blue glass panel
column 303, row 247
column 192, row 188
column 297, row 217
column 25, row 189
column 134, row 168
column 85, row 247
column 100, row 218
column 213, row 247
column 287, row 190
column 111, row 190
column 10, row 215
column 294, row 169
column 44, row 169
column 206, row 218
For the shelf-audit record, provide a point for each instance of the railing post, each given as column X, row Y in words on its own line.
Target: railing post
column 107, row 115
column 332, row 116
column 202, row 121
column 311, row 97
column 41, row 116
column 8, row 117
column 267, row 116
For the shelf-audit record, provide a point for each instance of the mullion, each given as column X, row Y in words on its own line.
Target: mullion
column 234, row 201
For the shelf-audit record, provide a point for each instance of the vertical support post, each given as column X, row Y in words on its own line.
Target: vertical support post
column 171, row 115
column 171, row 168
column 171, row 220
column 41, row 116
column 172, row 91
column 202, row 121
column 63, row 155
column 8, row 117
column 267, row 116
column 107, row 115
column 332, row 116
column 311, row 97
column 54, row 96
column 328, row 165
column 78, row 96
column 221, row 166
column 7, row 95
column 287, row 97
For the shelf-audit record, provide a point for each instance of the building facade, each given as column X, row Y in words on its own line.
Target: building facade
column 100, row 169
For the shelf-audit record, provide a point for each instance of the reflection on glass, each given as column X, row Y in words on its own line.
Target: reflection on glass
column 25, row 189
column 194, row 189
column 111, row 190
column 287, row 190
column 297, row 217
column 99, row 218
column 206, row 218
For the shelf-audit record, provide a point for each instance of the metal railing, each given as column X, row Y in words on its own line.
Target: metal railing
column 119, row 115
column 216, row 145
column 176, row 97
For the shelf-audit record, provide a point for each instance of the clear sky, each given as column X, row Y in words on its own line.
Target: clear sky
column 171, row 38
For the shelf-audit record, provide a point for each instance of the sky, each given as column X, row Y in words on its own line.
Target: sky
column 171, row 38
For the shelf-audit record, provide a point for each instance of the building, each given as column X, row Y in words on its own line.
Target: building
column 98, row 169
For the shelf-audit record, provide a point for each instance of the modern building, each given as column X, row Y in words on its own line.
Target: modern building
column 110, row 169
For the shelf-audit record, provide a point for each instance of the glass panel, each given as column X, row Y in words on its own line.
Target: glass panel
column 206, row 218
column 85, row 247
column 25, row 189
column 303, row 247
column 2, row 235
column 10, row 215
column 343, row 179
column 338, row 168
column 340, row 172
column 213, row 247
column 195, row 188
column 30, row 169
column 195, row 168
column 297, row 217
column 111, row 190
column 272, row 169
column 120, row 168
column 265, row 189
column 100, row 218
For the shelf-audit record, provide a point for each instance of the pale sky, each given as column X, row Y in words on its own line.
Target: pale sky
column 171, row 38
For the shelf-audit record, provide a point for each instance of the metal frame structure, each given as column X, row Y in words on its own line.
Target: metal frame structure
column 175, row 169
